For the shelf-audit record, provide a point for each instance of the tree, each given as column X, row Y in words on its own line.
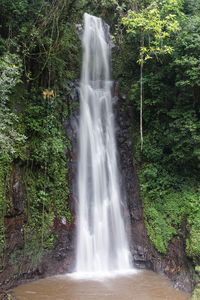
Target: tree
column 155, row 24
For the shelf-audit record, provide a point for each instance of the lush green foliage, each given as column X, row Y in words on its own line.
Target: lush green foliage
column 45, row 176
column 39, row 50
column 10, row 137
column 169, row 164
column 155, row 22
column 10, row 67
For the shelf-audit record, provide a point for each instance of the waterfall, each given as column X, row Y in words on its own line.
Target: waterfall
column 102, row 244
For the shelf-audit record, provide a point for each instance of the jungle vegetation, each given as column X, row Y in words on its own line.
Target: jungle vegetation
column 156, row 60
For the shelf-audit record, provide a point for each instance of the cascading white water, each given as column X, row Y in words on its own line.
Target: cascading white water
column 102, row 244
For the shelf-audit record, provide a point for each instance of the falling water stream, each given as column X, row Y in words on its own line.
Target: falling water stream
column 102, row 244
column 103, row 267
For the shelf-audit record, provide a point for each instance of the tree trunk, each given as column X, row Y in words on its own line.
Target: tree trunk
column 141, row 92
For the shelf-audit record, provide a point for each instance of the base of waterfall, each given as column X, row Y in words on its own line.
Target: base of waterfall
column 102, row 275
column 145, row 285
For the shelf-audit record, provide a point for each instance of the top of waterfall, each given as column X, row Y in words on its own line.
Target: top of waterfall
column 90, row 16
column 105, row 26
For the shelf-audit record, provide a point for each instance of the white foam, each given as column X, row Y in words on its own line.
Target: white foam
column 101, row 276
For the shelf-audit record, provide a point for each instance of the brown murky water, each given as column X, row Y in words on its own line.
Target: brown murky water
column 145, row 285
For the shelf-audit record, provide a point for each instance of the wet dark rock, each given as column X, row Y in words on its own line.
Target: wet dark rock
column 71, row 125
column 17, row 267
column 123, row 97
column 79, row 29
column 59, row 260
column 16, row 193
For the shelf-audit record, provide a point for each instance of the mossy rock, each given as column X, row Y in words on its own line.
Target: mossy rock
column 196, row 293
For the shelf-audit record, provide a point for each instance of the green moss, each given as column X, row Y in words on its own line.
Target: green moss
column 166, row 205
column 196, row 293
column 43, row 164
column 169, row 199
column 5, row 170
column 45, row 179
column 193, row 226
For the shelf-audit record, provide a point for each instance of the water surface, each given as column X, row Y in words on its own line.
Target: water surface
column 145, row 285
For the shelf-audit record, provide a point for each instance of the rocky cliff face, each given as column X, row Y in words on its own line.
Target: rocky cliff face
column 61, row 258
column 18, row 268
column 174, row 264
